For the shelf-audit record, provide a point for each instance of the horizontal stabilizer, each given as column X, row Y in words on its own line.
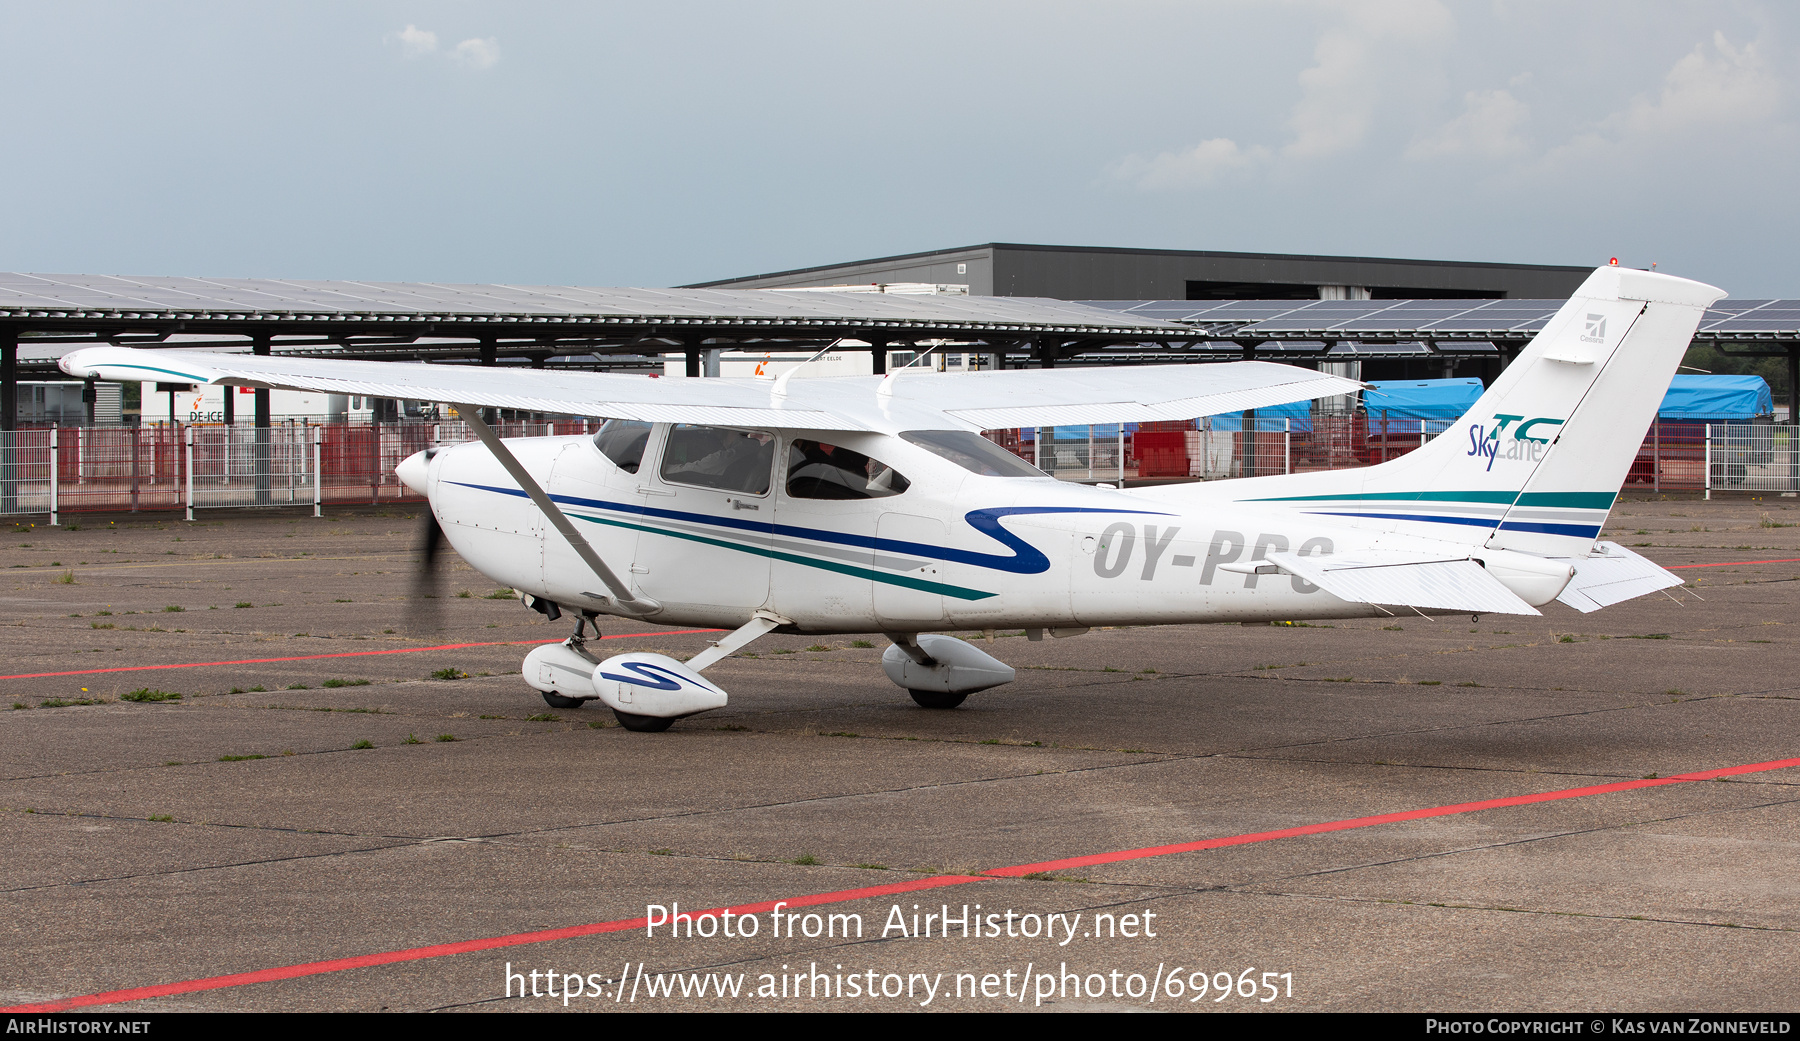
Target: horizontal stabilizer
column 1613, row 574
column 1408, row 581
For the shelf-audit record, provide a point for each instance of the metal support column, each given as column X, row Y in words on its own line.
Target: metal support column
column 691, row 351
column 1656, row 454
column 1708, row 458
column 490, row 357
column 54, row 461
column 1248, row 468
column 190, row 471
column 259, row 346
column 1793, row 360
column 1793, row 375
column 9, row 421
column 318, row 451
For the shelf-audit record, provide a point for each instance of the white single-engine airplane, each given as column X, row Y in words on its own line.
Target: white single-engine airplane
column 873, row 504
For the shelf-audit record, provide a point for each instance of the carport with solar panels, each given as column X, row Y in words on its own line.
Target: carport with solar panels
column 44, row 316
column 1442, row 331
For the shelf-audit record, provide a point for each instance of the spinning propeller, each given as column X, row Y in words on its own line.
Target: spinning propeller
column 427, row 580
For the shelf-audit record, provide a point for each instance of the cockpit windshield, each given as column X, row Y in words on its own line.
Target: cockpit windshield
column 972, row 452
column 622, row 441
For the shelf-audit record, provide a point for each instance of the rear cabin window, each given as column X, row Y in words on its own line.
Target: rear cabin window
column 727, row 460
column 622, row 441
column 820, row 471
column 972, row 452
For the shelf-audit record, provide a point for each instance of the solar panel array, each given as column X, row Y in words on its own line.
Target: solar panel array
column 1728, row 320
column 54, row 298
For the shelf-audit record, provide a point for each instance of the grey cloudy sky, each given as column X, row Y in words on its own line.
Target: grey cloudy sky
column 639, row 144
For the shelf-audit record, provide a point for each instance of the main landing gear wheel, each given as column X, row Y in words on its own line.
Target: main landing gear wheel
column 555, row 700
column 936, row 698
column 642, row 724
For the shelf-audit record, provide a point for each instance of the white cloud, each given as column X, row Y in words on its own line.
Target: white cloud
column 478, row 54
column 1709, row 85
column 416, row 42
column 1715, row 86
column 1199, row 165
column 1368, row 53
column 1487, row 128
column 1342, row 90
column 474, row 53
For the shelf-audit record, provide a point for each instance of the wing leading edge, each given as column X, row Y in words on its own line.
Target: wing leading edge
column 899, row 401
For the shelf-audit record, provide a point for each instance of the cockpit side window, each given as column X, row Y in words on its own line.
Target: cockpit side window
column 972, row 452
column 820, row 471
column 713, row 457
column 622, row 441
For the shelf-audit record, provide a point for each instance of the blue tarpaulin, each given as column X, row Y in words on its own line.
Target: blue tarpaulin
column 1716, row 398
column 1300, row 412
column 1420, row 399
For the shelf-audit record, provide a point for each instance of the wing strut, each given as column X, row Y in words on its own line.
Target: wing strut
column 621, row 592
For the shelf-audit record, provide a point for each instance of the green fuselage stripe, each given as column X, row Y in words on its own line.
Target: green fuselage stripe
column 1578, row 500
column 186, row 377
column 944, row 589
column 1575, row 500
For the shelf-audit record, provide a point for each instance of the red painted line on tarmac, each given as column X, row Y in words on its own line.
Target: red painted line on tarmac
column 1389, row 818
column 288, row 972
column 1734, row 563
column 344, row 654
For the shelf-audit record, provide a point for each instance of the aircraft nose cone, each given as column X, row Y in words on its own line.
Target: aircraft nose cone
column 412, row 471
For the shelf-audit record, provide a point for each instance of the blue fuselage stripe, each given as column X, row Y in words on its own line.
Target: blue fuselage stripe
column 1480, row 522
column 1585, row 531
column 1026, row 559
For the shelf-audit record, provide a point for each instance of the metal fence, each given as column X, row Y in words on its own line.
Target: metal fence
column 1751, row 457
column 207, row 466
column 1216, row 448
column 1675, row 455
column 57, row 470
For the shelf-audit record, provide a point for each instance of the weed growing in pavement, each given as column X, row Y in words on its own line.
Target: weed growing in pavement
column 146, row 694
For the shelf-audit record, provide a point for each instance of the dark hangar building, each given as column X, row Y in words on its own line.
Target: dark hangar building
column 1104, row 273
column 1156, row 281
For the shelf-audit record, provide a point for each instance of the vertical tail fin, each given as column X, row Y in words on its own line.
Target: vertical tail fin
column 1536, row 463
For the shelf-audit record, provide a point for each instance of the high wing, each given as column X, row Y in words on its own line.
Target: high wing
column 899, row 401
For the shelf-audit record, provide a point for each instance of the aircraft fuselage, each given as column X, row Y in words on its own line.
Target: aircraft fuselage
column 955, row 550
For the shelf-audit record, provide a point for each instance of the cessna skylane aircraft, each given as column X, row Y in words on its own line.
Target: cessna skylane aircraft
column 873, row 503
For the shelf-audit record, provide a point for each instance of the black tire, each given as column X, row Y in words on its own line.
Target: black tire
column 642, row 724
column 555, row 700
column 936, row 698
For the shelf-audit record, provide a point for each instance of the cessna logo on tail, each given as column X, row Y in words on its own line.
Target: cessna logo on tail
column 1596, row 329
column 1526, row 443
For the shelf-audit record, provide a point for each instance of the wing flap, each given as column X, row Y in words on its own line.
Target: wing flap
column 1154, row 410
column 1438, row 583
column 1613, row 575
